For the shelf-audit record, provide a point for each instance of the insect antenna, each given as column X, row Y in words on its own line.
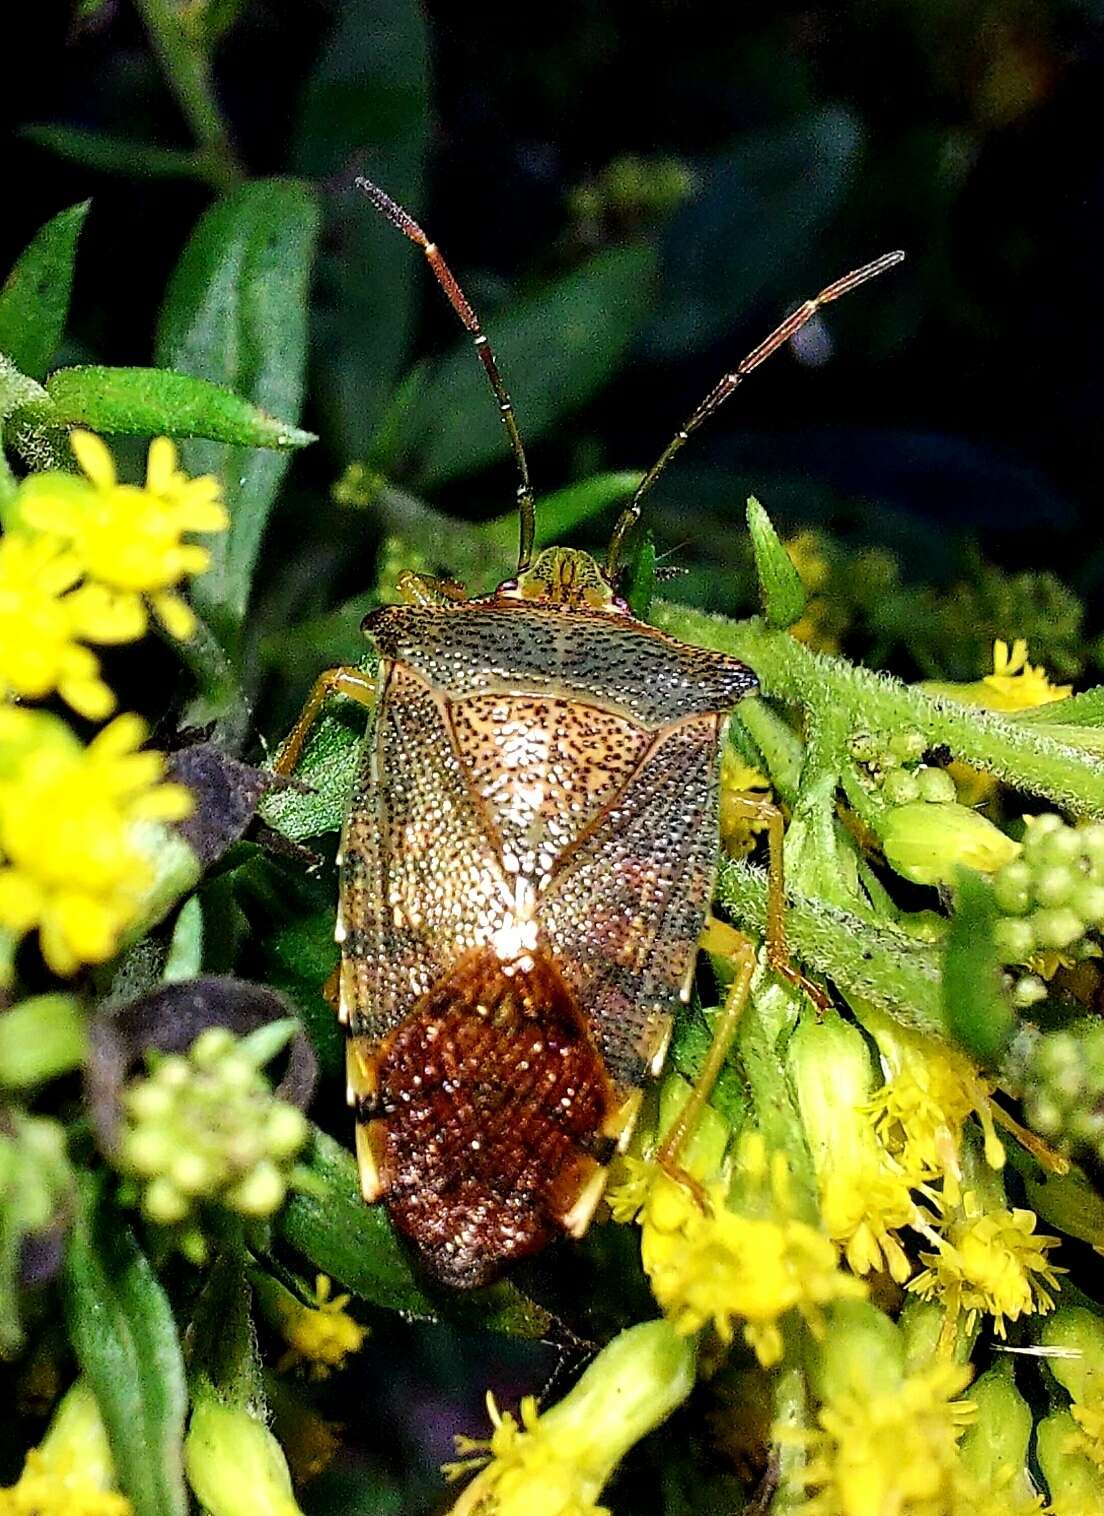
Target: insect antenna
column 459, row 302
column 725, row 386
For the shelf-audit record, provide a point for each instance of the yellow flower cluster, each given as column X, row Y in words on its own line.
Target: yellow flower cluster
column 323, row 1334
column 520, row 1460
column 84, row 560
column 71, row 859
column 889, row 1450
column 71, row 1472
column 721, row 1265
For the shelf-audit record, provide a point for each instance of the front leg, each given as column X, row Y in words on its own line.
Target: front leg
column 352, row 683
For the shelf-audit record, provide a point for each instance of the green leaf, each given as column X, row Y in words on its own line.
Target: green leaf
column 328, row 766
column 35, row 299
column 780, row 584
column 366, row 106
column 976, row 1009
column 148, row 401
column 123, row 1332
column 235, row 313
column 356, row 1244
column 118, row 155
column 555, row 349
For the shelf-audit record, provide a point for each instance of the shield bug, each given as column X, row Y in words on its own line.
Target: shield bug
column 526, row 866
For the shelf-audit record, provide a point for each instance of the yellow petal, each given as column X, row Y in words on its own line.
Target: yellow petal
column 124, row 735
column 20, row 901
column 199, row 515
column 192, row 558
column 94, row 458
column 90, row 697
column 89, row 926
column 168, row 802
column 175, row 615
column 161, row 466
column 105, row 615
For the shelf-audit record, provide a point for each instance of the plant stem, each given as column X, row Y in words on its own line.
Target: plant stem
column 188, row 72
column 1022, row 754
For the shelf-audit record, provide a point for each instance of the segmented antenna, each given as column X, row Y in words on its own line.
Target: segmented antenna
column 459, row 302
column 721, row 391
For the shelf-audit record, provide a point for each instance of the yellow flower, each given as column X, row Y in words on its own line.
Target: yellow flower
column 988, row 1262
column 128, row 538
column 864, row 1193
column 70, row 861
column 1089, row 1437
column 928, row 841
column 920, row 1111
column 71, row 1473
column 556, row 1464
column 724, row 1266
column 1015, row 684
column 889, row 1451
column 322, row 1335
column 739, row 833
column 43, row 618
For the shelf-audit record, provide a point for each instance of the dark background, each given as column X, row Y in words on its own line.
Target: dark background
column 953, row 403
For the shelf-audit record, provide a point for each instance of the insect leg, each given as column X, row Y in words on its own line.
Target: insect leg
column 752, row 808
column 353, row 683
column 723, row 1033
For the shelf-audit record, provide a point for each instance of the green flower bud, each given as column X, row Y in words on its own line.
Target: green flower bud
column 1057, row 927
column 163, row 1203
column 1076, row 1485
column 285, row 1130
column 261, row 1191
column 928, row 843
column 908, row 745
column 172, row 1071
column 996, row 1440
column 1092, row 844
column 1028, row 991
column 936, row 786
column 1088, row 902
column 234, row 1464
column 148, row 1102
column 1055, row 884
column 191, row 1173
column 212, row 1046
column 1015, row 939
column 901, row 787
column 146, row 1150
column 1012, row 887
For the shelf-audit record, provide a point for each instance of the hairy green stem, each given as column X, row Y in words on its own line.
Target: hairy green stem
column 1023, row 754
column 187, row 70
column 885, row 966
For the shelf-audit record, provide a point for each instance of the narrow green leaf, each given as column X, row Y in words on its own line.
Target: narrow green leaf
column 149, row 401
column 235, row 313
column 976, row 1009
column 356, row 1244
column 556, row 348
column 366, row 108
column 118, row 155
column 780, row 584
column 34, row 301
column 123, row 1332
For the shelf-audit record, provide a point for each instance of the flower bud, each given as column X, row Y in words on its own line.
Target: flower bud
column 234, row 1464
column 928, row 843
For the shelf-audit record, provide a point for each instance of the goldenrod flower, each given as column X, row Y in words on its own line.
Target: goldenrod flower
column 322, row 1334
column 44, row 618
column 920, row 1111
column 556, row 1464
column 988, row 1262
column 70, row 1473
column 1080, row 1334
column 739, row 832
column 725, row 1266
column 889, row 1450
column 1076, row 1484
column 865, row 1194
column 129, row 539
column 70, row 862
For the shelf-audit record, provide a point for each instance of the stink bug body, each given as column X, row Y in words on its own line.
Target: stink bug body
column 526, row 867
